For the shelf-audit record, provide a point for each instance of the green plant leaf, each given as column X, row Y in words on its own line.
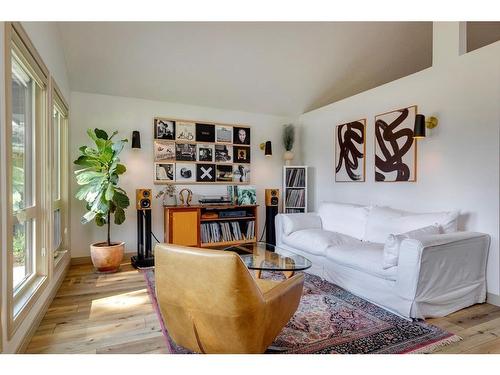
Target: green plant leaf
column 91, row 134
column 88, row 176
column 118, row 146
column 120, row 169
column 119, row 216
column 110, row 191
column 101, row 134
column 100, row 220
column 121, row 200
column 88, row 217
column 86, row 161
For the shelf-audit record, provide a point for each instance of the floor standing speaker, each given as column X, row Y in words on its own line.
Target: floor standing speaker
column 272, row 202
column 144, row 257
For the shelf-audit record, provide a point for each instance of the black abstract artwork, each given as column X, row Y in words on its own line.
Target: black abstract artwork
column 350, row 151
column 395, row 149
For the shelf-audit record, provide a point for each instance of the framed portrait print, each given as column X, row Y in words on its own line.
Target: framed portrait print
column 164, row 172
column 206, row 152
column 241, row 154
column 164, row 150
column 241, row 136
column 164, row 129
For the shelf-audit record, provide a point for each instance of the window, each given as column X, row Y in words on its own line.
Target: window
column 26, row 149
column 59, row 157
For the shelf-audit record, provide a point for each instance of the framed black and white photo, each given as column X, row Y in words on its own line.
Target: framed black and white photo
column 241, row 136
column 205, row 132
column 205, row 152
column 241, row 173
column 164, row 150
column 224, row 173
column 223, row 133
column 185, row 152
column 241, row 154
column 185, row 172
column 205, row 172
column 185, row 131
column 164, row 172
column 164, row 129
column 223, row 154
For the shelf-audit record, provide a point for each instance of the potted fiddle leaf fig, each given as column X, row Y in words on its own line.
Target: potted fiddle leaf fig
column 98, row 180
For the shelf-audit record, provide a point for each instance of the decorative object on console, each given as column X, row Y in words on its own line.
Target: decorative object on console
column 267, row 148
column 185, row 201
column 169, row 197
column 288, row 141
column 246, row 195
column 350, row 147
column 136, row 139
column 99, row 179
column 395, row 150
column 421, row 123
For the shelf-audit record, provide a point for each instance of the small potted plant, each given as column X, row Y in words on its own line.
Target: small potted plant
column 98, row 180
column 168, row 193
column 288, row 140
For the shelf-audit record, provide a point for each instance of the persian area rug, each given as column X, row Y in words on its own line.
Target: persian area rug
column 331, row 320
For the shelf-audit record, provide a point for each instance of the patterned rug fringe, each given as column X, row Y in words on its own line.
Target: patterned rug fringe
column 427, row 349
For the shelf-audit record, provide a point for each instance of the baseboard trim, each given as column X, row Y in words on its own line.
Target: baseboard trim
column 493, row 299
column 88, row 260
column 36, row 322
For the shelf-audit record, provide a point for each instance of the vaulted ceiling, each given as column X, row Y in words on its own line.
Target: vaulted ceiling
column 282, row 68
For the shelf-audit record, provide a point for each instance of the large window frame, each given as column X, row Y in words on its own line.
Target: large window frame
column 21, row 298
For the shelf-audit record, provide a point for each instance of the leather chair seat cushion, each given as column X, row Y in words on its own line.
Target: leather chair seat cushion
column 266, row 285
column 316, row 241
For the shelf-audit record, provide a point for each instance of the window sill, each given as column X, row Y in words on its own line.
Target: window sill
column 25, row 299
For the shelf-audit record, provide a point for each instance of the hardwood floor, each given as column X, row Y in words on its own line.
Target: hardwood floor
column 112, row 313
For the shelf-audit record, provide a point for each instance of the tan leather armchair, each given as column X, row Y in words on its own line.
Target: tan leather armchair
column 211, row 303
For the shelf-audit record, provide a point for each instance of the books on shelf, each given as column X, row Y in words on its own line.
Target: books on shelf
column 227, row 231
column 296, row 177
column 295, row 198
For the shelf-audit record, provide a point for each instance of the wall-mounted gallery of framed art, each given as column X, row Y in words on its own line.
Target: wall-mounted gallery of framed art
column 195, row 152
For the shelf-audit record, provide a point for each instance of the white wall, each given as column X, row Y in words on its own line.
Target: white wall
column 45, row 37
column 458, row 163
column 128, row 114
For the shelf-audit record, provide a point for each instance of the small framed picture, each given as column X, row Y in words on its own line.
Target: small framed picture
column 241, row 136
column 205, row 172
column 247, row 195
column 185, row 172
column 205, row 133
column 223, row 133
column 205, row 152
column 185, row 152
column 185, row 131
column 164, row 150
column 241, row 154
column 164, row 129
column 223, row 154
column 164, row 172
column 241, row 173
column 224, row 173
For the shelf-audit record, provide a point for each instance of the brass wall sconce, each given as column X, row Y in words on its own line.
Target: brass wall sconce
column 421, row 123
column 267, row 147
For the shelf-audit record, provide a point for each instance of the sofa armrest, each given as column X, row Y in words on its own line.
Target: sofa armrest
column 307, row 220
column 438, row 264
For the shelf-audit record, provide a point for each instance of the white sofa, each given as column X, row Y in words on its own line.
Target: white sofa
column 435, row 274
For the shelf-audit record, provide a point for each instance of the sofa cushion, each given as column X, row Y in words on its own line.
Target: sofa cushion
column 316, row 241
column 294, row 222
column 363, row 256
column 382, row 221
column 344, row 218
column 393, row 243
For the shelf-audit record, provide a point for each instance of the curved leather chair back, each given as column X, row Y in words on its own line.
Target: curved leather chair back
column 209, row 300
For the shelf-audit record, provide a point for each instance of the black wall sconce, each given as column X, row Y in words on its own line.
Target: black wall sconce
column 421, row 123
column 267, row 147
column 136, row 139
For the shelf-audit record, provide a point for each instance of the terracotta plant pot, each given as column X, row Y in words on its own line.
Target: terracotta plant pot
column 107, row 259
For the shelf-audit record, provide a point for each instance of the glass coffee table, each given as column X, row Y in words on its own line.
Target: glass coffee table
column 262, row 256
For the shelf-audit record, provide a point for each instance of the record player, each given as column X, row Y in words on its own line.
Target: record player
column 214, row 199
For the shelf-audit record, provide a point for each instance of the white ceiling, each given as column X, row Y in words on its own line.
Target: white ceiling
column 276, row 68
